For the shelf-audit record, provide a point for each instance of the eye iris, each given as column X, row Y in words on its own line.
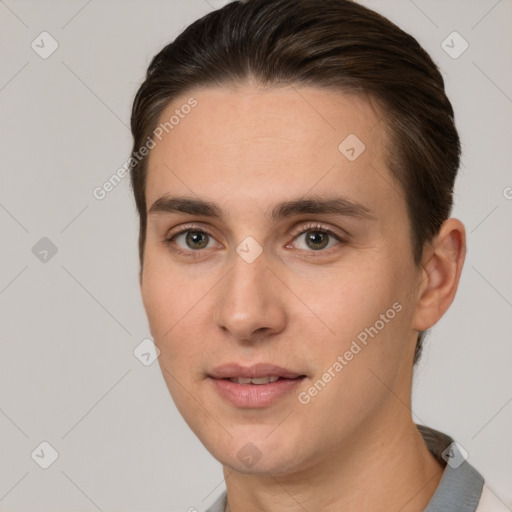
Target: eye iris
column 196, row 239
column 317, row 238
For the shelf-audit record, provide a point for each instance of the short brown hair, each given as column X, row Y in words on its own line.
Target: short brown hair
column 335, row 44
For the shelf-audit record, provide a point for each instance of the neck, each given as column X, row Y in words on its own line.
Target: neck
column 384, row 466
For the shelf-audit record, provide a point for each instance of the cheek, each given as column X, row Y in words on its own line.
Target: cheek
column 365, row 312
column 173, row 322
column 167, row 292
column 359, row 366
column 346, row 300
column 172, row 303
column 159, row 301
column 175, row 311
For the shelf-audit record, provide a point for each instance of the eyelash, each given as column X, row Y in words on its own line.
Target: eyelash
column 169, row 241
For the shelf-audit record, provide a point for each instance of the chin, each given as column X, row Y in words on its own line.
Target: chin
column 273, row 465
column 257, row 453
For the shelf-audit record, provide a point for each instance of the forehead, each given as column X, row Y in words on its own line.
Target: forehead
column 251, row 138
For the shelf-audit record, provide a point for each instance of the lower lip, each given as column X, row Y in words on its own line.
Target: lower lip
column 252, row 396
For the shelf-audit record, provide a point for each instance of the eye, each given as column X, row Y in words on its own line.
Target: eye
column 192, row 239
column 316, row 238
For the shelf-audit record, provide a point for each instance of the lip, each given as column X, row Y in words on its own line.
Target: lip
column 231, row 370
column 253, row 396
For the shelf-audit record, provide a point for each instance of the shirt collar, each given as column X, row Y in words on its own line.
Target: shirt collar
column 461, row 485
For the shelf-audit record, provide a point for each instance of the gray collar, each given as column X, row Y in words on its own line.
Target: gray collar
column 461, row 484
column 459, row 489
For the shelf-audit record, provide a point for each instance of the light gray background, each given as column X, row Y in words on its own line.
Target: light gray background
column 68, row 374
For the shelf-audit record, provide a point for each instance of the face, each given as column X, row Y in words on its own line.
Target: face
column 279, row 246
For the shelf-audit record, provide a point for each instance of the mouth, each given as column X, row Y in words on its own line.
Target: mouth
column 258, row 381
column 254, row 386
column 256, row 374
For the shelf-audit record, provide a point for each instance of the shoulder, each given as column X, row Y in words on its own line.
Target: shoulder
column 489, row 502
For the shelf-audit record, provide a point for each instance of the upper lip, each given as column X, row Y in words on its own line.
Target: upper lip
column 232, row 370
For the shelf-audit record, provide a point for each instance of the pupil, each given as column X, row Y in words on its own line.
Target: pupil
column 196, row 240
column 318, row 239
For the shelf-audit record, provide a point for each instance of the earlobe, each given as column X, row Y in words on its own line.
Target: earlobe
column 442, row 268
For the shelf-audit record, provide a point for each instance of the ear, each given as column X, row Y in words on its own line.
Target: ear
column 442, row 265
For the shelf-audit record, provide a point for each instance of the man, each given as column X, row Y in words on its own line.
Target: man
column 293, row 168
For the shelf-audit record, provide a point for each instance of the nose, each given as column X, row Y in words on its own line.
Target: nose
column 251, row 302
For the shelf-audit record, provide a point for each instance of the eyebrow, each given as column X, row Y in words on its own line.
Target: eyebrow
column 312, row 205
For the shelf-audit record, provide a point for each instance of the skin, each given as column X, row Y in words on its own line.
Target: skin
column 354, row 446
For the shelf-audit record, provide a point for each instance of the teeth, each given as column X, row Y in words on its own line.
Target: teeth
column 241, row 380
column 258, row 380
